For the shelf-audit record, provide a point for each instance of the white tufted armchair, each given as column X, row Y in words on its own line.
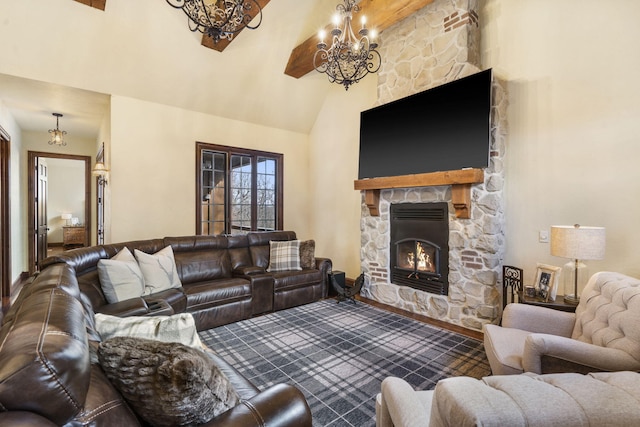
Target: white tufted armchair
column 602, row 335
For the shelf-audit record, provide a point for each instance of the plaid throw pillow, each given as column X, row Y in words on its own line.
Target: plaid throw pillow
column 284, row 256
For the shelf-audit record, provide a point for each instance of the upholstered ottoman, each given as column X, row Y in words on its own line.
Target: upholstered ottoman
column 569, row 400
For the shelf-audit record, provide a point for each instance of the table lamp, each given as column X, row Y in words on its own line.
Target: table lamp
column 66, row 217
column 577, row 243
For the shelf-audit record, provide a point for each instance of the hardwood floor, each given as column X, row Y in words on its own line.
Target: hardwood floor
column 55, row 249
column 439, row 323
column 419, row 317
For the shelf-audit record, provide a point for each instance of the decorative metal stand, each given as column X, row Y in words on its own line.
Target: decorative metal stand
column 347, row 293
column 511, row 282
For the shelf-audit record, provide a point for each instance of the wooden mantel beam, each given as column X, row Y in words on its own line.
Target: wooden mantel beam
column 381, row 14
column 222, row 44
column 459, row 180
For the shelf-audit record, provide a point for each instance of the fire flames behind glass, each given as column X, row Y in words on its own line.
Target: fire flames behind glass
column 417, row 256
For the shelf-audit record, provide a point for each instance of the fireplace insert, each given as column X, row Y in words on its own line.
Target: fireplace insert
column 420, row 246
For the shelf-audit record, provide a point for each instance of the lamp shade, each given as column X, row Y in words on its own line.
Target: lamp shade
column 577, row 242
column 99, row 169
column 66, row 216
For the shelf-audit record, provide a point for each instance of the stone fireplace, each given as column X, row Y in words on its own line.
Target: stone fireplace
column 436, row 45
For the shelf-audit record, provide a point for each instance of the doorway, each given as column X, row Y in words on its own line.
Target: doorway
column 69, row 221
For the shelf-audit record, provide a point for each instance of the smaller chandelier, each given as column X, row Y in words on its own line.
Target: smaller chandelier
column 219, row 19
column 57, row 135
column 349, row 58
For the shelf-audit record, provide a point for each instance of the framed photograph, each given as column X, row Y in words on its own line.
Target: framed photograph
column 547, row 281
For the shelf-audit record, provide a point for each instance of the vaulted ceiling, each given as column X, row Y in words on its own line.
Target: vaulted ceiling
column 382, row 13
column 143, row 49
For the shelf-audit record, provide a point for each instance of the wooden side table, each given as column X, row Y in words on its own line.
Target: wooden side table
column 73, row 236
column 558, row 304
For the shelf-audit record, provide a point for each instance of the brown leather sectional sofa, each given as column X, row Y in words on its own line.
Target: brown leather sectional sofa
column 224, row 278
column 48, row 376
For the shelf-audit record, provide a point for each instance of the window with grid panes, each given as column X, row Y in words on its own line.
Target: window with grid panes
column 238, row 190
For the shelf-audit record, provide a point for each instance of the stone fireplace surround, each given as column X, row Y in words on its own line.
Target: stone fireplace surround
column 436, row 45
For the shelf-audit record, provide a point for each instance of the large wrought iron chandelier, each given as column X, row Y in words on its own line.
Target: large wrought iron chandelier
column 56, row 136
column 220, row 19
column 350, row 57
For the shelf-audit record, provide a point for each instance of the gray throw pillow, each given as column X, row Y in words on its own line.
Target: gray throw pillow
column 159, row 270
column 120, row 277
column 166, row 384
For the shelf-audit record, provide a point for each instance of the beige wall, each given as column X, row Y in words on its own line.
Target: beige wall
column 335, row 142
column 571, row 68
column 152, row 159
column 17, row 197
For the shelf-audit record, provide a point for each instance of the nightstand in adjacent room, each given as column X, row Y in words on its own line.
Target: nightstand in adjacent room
column 73, row 236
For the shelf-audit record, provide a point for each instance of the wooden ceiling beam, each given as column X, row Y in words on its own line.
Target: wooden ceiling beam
column 98, row 4
column 223, row 43
column 381, row 14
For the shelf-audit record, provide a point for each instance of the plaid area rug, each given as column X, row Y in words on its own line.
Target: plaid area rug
column 338, row 354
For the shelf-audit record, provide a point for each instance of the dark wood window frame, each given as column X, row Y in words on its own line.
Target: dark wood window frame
column 254, row 154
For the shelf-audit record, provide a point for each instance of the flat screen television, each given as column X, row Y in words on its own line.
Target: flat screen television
column 441, row 129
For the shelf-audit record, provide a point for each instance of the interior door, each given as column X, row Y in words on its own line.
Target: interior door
column 43, row 199
column 5, row 221
column 41, row 211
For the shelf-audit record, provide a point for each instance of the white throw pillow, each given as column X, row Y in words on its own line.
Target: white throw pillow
column 284, row 256
column 120, row 277
column 159, row 270
column 175, row 328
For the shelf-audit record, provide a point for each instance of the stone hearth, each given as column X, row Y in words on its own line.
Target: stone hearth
column 437, row 45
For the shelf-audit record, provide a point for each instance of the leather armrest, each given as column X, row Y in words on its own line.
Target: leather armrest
column 324, row 265
column 137, row 307
column 278, row 406
column 248, row 270
column 24, row 419
column 129, row 307
column 261, row 292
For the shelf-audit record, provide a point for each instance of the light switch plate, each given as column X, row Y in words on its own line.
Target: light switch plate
column 543, row 236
